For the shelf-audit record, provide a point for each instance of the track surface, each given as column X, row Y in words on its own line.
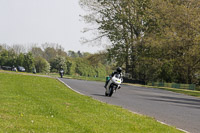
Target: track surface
column 172, row 108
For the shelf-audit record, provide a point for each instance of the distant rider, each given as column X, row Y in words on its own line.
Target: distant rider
column 61, row 72
column 117, row 71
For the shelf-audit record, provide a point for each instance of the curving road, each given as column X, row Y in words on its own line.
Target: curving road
column 174, row 109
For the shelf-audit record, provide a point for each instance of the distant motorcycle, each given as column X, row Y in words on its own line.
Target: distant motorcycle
column 113, row 84
column 61, row 73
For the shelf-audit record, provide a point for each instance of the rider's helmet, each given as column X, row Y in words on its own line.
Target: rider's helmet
column 119, row 69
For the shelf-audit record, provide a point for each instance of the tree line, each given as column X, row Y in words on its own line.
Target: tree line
column 51, row 58
column 152, row 40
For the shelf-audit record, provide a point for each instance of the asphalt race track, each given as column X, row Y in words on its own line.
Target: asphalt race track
column 171, row 108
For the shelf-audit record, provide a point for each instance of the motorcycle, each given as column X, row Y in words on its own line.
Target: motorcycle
column 113, row 85
column 61, row 73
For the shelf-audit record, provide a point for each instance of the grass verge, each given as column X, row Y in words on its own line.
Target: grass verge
column 40, row 104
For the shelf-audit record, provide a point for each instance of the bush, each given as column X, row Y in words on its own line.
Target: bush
column 41, row 65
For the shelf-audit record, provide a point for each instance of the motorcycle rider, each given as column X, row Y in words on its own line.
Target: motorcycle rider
column 117, row 71
column 61, row 72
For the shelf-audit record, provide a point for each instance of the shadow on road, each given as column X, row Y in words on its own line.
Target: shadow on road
column 185, row 102
column 98, row 95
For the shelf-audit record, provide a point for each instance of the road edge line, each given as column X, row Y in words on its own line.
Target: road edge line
column 172, row 126
column 70, row 87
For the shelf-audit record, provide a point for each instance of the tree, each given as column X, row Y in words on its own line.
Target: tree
column 179, row 36
column 41, row 65
column 17, row 48
column 86, row 54
column 79, row 54
column 28, row 62
column 50, row 53
column 124, row 23
column 37, row 52
column 60, row 51
column 152, row 39
column 72, row 54
column 57, row 63
column 8, row 57
column 20, row 60
column 69, row 67
column 98, row 58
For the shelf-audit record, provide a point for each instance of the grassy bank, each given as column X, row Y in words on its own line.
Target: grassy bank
column 39, row 104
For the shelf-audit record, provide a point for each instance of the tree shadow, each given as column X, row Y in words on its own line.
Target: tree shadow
column 184, row 102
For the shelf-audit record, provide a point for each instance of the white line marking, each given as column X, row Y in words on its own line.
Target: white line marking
column 172, row 126
column 70, row 87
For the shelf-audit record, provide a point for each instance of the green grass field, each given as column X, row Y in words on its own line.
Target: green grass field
column 39, row 104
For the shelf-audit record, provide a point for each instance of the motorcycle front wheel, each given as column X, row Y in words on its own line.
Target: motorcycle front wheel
column 111, row 91
column 106, row 94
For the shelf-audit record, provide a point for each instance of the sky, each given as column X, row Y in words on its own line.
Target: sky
column 30, row 22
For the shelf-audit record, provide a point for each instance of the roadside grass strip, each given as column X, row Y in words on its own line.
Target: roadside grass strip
column 41, row 104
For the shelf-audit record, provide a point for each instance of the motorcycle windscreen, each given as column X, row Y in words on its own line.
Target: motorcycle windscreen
column 118, row 76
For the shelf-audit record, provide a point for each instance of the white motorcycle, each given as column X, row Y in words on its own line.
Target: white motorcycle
column 113, row 84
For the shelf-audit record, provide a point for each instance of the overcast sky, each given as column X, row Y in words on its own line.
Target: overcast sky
column 39, row 21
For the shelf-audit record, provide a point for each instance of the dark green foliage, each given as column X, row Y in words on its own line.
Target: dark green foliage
column 10, row 58
column 57, row 63
column 69, row 66
column 83, row 68
column 28, row 62
column 152, row 40
column 7, row 57
column 166, row 74
column 86, row 64
column 72, row 54
column 81, row 64
column 41, row 65
column 20, row 60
